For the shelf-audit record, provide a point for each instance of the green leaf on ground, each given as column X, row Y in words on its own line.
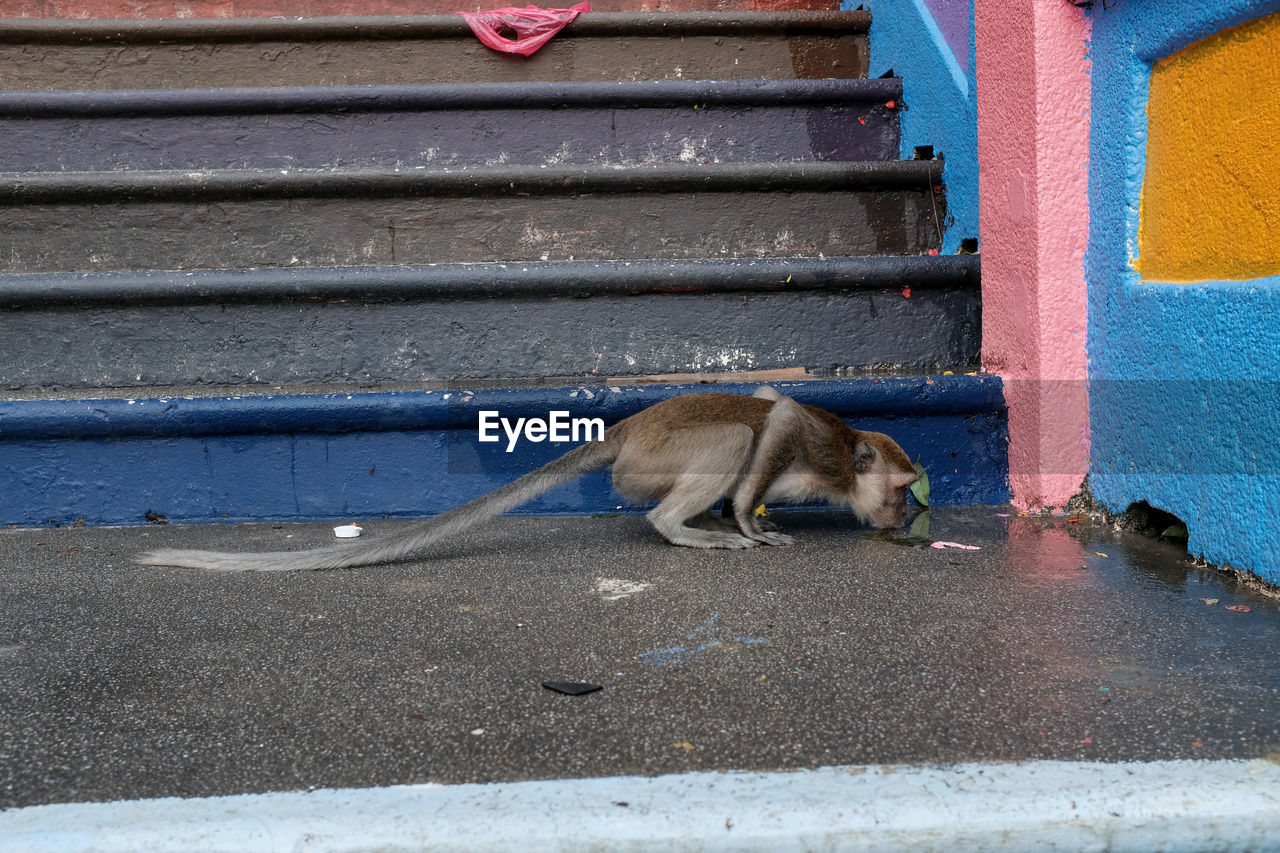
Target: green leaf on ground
column 1174, row 531
column 920, row 488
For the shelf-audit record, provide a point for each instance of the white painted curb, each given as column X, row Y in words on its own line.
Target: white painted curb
column 1046, row 805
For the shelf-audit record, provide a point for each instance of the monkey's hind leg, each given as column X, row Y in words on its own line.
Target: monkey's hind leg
column 718, row 456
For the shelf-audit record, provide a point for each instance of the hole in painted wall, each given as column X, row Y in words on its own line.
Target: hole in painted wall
column 923, row 152
column 969, row 246
column 1142, row 517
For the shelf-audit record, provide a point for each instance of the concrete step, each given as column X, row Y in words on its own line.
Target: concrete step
column 351, row 216
column 296, row 455
column 451, row 125
column 312, row 8
column 328, row 8
column 246, row 52
column 485, row 321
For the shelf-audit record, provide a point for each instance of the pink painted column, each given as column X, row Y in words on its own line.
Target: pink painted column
column 1033, row 151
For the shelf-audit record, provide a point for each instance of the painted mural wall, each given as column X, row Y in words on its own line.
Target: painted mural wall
column 930, row 44
column 1208, row 210
column 1183, row 297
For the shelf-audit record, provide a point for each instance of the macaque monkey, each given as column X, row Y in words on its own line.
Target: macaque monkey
column 686, row 453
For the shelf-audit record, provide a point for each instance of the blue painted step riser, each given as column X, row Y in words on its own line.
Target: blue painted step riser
column 406, row 455
column 436, row 126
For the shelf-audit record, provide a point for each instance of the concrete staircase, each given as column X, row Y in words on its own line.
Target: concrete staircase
column 274, row 268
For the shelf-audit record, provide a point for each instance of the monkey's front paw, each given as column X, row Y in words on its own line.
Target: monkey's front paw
column 770, row 537
column 735, row 542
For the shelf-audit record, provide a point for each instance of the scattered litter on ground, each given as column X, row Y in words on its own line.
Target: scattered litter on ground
column 1099, row 554
column 612, row 589
column 572, row 688
column 1239, row 608
column 533, row 27
column 941, row 545
column 683, row 744
column 1210, row 601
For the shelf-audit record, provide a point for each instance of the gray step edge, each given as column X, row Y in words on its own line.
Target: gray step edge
column 444, row 96
column 489, row 280
column 592, row 24
column 202, row 185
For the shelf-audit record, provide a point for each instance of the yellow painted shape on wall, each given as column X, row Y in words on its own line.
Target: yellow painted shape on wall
column 1211, row 196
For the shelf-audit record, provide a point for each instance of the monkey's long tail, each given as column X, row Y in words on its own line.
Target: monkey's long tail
column 574, row 464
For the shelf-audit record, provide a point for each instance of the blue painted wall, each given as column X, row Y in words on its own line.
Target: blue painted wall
column 409, row 454
column 930, row 44
column 1185, row 402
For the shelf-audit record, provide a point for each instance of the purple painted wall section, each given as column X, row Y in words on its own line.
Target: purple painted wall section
column 952, row 18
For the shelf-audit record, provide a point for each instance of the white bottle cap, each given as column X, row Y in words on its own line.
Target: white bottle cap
column 347, row 531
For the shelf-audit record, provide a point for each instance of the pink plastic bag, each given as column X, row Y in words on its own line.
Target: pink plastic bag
column 533, row 27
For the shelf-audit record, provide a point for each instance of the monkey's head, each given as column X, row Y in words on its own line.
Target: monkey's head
column 882, row 475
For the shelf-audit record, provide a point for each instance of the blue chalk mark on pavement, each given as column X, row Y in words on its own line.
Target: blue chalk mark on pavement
column 676, row 655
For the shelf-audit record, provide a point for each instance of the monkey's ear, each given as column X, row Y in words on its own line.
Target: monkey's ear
column 764, row 392
column 864, row 456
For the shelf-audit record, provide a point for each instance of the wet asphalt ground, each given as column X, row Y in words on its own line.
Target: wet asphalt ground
column 1053, row 640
